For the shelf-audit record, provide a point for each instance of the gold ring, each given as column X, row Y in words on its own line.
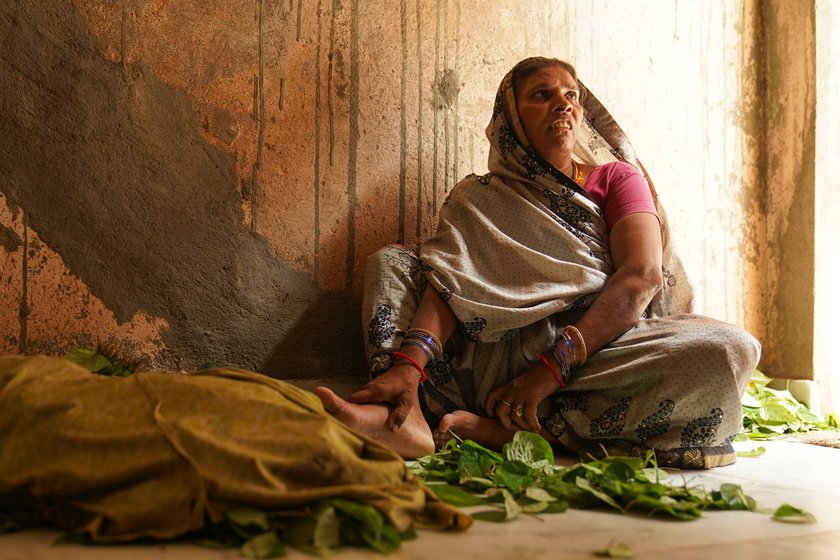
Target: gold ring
column 503, row 401
column 519, row 411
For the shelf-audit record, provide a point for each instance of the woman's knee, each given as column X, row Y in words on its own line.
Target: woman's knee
column 726, row 348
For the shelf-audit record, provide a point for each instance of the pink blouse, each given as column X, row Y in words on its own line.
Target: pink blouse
column 619, row 190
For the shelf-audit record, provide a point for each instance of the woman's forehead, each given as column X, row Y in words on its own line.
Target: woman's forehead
column 550, row 76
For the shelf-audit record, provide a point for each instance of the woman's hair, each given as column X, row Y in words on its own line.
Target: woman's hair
column 525, row 68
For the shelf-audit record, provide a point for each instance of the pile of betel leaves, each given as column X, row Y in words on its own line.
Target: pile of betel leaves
column 769, row 413
column 523, row 479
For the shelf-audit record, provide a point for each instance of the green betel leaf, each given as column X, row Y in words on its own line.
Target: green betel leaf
column 733, row 497
column 513, row 475
column 539, row 494
column 512, row 509
column 556, row 507
column 616, row 550
column 584, row 484
column 367, row 516
column 492, row 515
column 529, row 448
column 327, row 531
column 265, row 545
column 654, row 474
column 786, row 513
column 247, row 517
column 757, row 452
column 455, row 496
column 778, row 413
column 387, row 541
column 535, row 507
column 88, row 359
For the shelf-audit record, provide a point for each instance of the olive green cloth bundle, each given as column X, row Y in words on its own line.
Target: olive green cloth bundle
column 160, row 454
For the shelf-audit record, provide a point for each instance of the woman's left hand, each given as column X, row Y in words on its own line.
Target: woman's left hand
column 515, row 404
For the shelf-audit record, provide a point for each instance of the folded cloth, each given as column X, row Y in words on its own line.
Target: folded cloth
column 159, row 454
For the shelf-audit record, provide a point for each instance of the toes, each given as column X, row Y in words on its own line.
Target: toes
column 444, row 431
column 446, row 423
column 332, row 402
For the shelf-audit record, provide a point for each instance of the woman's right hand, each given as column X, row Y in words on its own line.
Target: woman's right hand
column 396, row 387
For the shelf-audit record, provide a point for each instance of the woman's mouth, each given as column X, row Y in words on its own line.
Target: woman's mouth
column 559, row 125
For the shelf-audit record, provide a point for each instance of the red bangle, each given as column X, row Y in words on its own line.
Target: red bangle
column 410, row 360
column 553, row 372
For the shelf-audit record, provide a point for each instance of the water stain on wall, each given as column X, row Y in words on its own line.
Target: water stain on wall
column 107, row 163
column 9, row 239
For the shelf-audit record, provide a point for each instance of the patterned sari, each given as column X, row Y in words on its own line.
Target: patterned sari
column 523, row 251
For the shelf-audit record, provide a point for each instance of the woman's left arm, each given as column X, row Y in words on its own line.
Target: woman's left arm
column 636, row 249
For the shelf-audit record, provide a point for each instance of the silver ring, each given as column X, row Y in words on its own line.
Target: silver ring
column 505, row 402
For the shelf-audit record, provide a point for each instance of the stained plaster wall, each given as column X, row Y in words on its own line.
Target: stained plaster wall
column 202, row 181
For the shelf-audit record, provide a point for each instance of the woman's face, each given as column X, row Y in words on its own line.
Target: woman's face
column 549, row 107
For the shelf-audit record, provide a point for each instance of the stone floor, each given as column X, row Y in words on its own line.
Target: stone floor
column 806, row 476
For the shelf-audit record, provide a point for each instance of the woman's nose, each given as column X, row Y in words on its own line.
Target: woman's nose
column 562, row 104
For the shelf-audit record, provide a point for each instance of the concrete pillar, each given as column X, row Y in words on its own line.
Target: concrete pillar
column 800, row 172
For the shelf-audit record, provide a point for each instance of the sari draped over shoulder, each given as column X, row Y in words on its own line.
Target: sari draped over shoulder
column 523, row 251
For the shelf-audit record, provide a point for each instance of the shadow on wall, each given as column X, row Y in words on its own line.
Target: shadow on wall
column 107, row 165
column 323, row 343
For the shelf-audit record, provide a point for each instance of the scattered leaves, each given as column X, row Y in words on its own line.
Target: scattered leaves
column 330, row 524
column 769, row 413
column 524, row 479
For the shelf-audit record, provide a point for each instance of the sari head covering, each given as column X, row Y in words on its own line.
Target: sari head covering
column 524, row 242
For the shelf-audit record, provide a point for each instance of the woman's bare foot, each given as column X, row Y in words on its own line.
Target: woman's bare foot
column 489, row 432
column 413, row 439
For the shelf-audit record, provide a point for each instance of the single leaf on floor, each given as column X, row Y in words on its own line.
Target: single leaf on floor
column 786, row 513
column 757, row 452
column 616, row 550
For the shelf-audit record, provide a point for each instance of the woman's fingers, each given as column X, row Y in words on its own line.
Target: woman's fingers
column 368, row 394
column 504, row 413
column 493, row 400
column 524, row 416
column 531, row 419
column 518, row 416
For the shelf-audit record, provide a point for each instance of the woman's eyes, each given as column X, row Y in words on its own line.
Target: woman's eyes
column 545, row 95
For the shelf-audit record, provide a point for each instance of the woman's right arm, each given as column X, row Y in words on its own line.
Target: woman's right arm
column 398, row 385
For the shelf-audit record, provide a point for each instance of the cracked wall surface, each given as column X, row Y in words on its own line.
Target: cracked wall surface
column 203, row 181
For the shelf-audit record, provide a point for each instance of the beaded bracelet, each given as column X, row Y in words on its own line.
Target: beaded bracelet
column 411, row 361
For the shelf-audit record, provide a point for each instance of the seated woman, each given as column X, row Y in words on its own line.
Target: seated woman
column 547, row 301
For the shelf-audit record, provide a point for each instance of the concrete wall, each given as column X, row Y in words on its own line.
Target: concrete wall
column 202, row 181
